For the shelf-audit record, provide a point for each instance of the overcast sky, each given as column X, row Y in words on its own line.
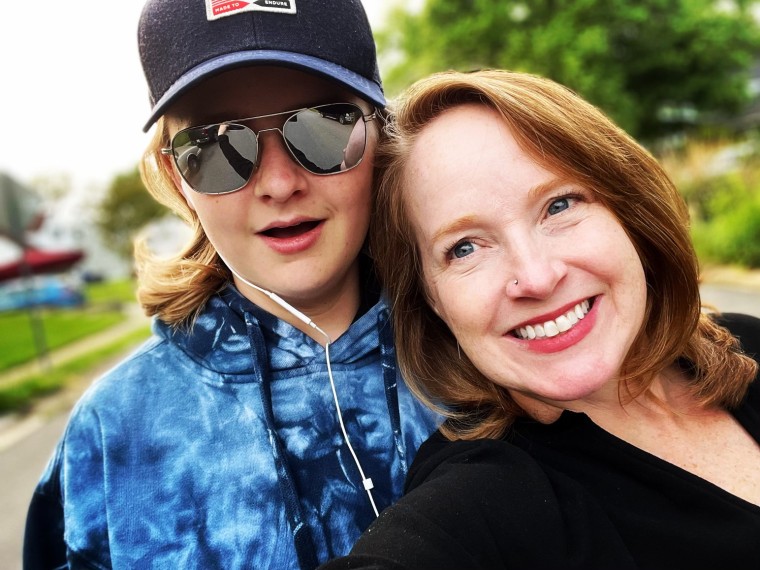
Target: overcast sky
column 72, row 95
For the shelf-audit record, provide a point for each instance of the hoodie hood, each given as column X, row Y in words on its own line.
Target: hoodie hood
column 219, row 340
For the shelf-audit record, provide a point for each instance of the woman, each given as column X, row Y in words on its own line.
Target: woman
column 545, row 296
column 264, row 424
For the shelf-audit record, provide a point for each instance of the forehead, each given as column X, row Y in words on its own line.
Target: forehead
column 467, row 164
column 255, row 90
column 458, row 147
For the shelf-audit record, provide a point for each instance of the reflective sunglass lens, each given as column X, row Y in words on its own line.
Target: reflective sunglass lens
column 239, row 150
column 216, row 159
column 327, row 139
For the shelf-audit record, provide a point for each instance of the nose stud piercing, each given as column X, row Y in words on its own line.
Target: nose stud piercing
column 515, row 282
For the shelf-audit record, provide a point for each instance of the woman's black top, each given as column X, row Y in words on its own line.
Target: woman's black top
column 564, row 495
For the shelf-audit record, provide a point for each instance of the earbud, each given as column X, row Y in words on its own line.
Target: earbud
column 366, row 481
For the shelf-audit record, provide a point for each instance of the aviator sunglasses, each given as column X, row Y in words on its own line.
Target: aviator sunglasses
column 221, row 157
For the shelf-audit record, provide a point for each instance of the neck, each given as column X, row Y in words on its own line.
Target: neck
column 667, row 398
column 328, row 314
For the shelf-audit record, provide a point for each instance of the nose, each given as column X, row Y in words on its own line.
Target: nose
column 534, row 269
column 277, row 177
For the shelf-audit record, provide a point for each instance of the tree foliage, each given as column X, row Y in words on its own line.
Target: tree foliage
column 126, row 208
column 649, row 64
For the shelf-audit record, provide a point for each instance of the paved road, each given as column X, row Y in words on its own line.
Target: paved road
column 25, row 451
column 732, row 300
column 20, row 467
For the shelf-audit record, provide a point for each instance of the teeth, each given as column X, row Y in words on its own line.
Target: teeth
column 528, row 332
column 551, row 328
column 563, row 323
column 559, row 325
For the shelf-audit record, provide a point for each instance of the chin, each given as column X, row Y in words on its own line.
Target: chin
column 565, row 389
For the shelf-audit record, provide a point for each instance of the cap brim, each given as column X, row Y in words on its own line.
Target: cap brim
column 358, row 84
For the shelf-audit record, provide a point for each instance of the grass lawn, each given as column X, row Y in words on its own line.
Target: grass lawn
column 20, row 394
column 61, row 326
column 111, row 291
column 104, row 308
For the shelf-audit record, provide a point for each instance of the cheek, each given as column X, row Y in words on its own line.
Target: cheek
column 611, row 250
column 639, row 290
column 220, row 215
column 354, row 197
column 464, row 305
column 626, row 272
column 364, row 199
column 188, row 194
column 630, row 265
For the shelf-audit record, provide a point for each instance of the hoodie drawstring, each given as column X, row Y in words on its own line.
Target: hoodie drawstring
column 302, row 539
column 390, row 379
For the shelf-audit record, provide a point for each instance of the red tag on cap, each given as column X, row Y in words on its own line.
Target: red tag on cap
column 216, row 9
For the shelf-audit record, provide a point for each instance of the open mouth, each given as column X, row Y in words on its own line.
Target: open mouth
column 554, row 327
column 291, row 231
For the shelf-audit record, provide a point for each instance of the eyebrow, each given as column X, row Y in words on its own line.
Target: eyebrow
column 456, row 226
column 534, row 193
column 549, row 186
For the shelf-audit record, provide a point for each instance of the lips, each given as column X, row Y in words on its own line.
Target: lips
column 290, row 230
column 292, row 237
column 553, row 327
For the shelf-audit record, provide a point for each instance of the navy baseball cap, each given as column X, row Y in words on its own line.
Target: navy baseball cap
column 183, row 42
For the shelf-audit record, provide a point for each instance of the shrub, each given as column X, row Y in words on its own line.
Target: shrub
column 721, row 185
column 732, row 236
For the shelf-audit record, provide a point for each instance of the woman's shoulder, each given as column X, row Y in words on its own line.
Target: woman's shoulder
column 439, row 456
column 492, row 470
column 470, row 503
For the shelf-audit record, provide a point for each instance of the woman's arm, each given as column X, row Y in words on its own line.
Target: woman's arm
column 487, row 505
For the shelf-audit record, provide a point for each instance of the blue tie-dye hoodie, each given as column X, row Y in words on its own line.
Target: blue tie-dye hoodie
column 220, row 447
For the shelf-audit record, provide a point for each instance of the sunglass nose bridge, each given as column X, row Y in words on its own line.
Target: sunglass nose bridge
column 279, row 130
column 285, row 145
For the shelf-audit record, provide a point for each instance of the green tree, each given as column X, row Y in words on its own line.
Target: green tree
column 126, row 208
column 650, row 64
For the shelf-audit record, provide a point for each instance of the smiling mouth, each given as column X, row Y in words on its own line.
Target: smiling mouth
column 554, row 327
column 291, row 231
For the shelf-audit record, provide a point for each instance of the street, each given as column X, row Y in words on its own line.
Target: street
column 23, row 459
column 20, row 467
column 732, row 300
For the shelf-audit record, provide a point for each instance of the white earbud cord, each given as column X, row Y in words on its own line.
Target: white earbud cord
column 366, row 481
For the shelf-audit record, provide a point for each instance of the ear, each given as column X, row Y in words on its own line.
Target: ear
column 167, row 163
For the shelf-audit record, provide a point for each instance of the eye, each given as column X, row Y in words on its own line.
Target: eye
column 559, row 205
column 461, row 249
